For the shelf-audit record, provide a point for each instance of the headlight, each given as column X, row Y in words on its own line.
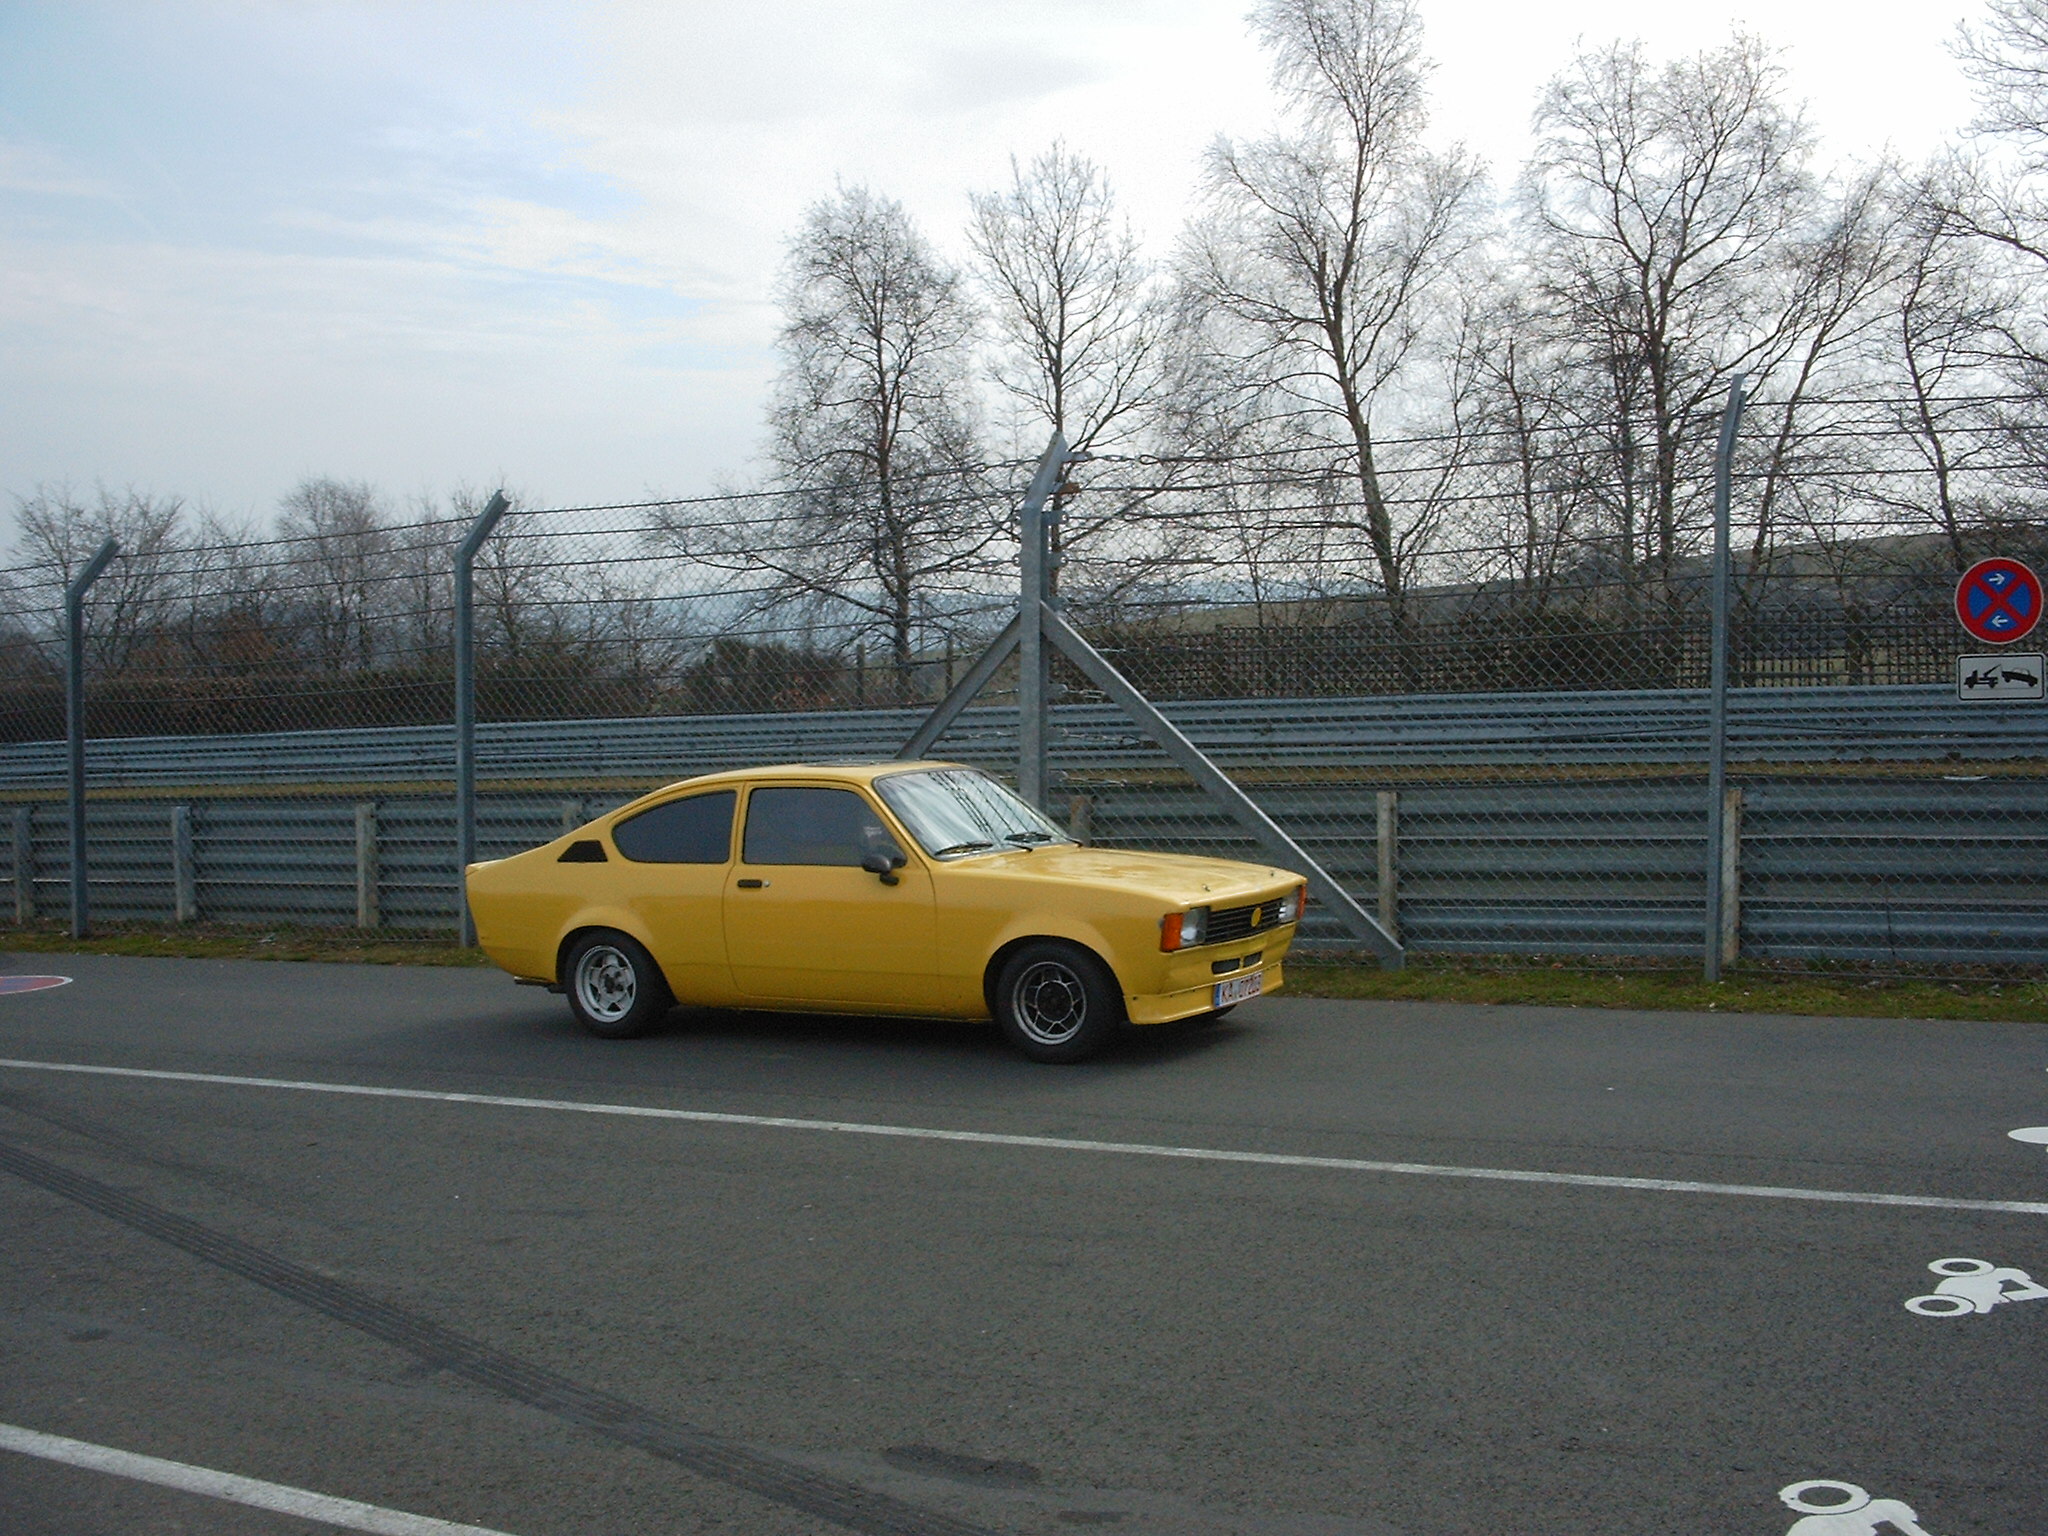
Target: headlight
column 1293, row 904
column 1184, row 930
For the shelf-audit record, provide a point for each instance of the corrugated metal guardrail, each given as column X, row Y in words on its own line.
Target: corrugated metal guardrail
column 1897, row 871
column 1779, row 724
column 1565, row 823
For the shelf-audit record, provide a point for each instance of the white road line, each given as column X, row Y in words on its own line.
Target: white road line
column 346, row 1513
column 1066, row 1143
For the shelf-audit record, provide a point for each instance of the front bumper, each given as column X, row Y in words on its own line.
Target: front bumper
column 1184, row 983
column 1165, row 1007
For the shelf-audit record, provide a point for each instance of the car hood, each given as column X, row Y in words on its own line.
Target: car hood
column 1172, row 877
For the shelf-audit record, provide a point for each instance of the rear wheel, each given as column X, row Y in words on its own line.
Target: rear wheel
column 1056, row 1002
column 615, row 989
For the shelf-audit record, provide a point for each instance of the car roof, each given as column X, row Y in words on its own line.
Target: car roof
column 863, row 771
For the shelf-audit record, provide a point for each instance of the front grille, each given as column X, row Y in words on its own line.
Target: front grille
column 1227, row 923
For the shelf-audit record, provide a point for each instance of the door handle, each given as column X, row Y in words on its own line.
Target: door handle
column 752, row 885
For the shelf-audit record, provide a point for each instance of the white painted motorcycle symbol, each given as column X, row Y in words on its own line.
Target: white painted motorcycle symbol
column 1843, row 1509
column 1974, row 1286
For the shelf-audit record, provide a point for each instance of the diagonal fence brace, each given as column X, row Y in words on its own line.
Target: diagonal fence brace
column 1204, row 772
column 948, row 709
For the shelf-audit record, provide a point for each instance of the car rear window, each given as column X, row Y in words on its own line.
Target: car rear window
column 694, row 830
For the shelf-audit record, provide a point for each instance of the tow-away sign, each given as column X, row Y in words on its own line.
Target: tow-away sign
column 2000, row 677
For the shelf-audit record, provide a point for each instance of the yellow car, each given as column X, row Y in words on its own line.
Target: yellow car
column 902, row 888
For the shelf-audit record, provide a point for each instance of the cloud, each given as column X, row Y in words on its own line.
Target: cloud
column 960, row 79
column 229, row 374
column 243, row 243
column 41, row 172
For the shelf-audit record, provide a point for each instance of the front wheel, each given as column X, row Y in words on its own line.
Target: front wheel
column 615, row 989
column 1056, row 1002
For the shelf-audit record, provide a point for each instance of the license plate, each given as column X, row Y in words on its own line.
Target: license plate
column 1238, row 988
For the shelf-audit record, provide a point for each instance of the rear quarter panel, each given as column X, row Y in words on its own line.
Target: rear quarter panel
column 526, row 905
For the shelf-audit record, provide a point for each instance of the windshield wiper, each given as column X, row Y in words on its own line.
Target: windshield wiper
column 960, row 848
column 1028, row 839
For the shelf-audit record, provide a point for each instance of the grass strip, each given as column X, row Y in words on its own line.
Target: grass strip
column 1847, row 994
column 237, row 941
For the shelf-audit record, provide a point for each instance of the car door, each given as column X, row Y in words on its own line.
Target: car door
column 804, row 923
column 674, row 858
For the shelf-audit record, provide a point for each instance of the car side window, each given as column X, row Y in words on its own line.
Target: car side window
column 813, row 826
column 694, row 830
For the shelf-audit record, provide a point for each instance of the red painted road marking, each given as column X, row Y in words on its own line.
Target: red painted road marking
column 32, row 983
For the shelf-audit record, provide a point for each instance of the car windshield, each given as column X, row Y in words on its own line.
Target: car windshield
column 959, row 811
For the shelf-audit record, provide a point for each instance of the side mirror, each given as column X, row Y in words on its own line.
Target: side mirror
column 883, row 865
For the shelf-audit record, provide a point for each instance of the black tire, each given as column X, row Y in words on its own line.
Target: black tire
column 615, row 989
column 1056, row 1002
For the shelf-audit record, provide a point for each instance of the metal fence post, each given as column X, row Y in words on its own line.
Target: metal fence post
column 24, row 864
column 1717, row 706
column 465, row 706
column 1031, row 689
column 184, row 870
column 74, row 725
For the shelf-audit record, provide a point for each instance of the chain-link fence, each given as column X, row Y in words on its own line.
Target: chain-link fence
column 1470, row 676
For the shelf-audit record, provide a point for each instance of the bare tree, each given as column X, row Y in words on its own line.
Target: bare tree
column 340, row 545
column 1834, row 285
column 1998, row 192
column 1944, row 355
column 2004, row 199
column 1526, row 481
column 1324, row 249
column 1076, row 327
column 1661, row 211
column 135, row 604
column 872, row 429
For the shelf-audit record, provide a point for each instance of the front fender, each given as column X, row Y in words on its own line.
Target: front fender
column 1118, row 950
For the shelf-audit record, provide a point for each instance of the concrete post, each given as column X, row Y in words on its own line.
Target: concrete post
column 1080, row 817
column 1731, row 875
column 1388, row 843
column 24, row 864
column 184, row 867
column 369, row 870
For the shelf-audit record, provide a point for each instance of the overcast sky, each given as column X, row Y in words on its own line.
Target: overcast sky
column 426, row 244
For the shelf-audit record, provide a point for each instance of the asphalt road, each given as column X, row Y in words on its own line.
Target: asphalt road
column 554, row 1323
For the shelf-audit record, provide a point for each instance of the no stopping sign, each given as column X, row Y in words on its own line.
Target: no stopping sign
column 1998, row 601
